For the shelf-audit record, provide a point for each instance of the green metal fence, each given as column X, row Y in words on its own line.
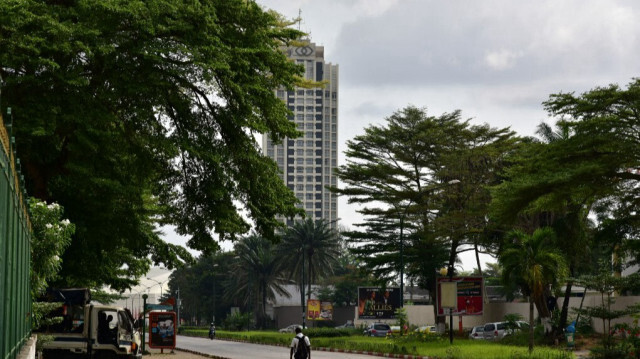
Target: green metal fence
column 15, row 235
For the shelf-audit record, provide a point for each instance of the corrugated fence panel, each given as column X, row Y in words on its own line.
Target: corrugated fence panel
column 15, row 236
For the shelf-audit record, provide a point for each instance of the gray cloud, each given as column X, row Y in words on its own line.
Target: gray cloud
column 492, row 42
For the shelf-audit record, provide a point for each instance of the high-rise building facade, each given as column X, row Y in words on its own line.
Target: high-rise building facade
column 307, row 162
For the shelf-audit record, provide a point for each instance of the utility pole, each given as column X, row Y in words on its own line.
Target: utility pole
column 304, row 309
column 178, row 305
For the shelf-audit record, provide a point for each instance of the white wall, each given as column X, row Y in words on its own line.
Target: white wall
column 494, row 312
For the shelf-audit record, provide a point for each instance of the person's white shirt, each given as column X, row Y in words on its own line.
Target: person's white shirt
column 296, row 340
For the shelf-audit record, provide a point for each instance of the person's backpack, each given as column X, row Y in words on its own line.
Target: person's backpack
column 302, row 351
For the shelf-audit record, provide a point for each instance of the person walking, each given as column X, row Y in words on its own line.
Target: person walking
column 300, row 346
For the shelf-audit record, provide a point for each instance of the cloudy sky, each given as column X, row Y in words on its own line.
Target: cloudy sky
column 495, row 60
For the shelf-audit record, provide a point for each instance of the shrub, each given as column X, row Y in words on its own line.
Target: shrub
column 328, row 332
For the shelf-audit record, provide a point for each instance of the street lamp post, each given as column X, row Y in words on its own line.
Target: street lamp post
column 402, row 258
column 213, row 276
column 159, row 283
column 304, row 309
column 450, row 274
column 178, row 304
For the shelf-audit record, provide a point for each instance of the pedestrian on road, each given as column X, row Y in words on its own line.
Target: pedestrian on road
column 300, row 346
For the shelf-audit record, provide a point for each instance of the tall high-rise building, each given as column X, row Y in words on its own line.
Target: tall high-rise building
column 307, row 162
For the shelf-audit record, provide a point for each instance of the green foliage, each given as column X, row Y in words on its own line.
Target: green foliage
column 258, row 275
column 532, row 261
column 40, row 314
column 588, row 165
column 402, row 318
column 42, row 340
column 329, row 332
column 309, row 247
column 238, row 321
column 347, row 277
column 51, row 236
column 202, row 284
column 433, row 346
column 606, row 284
column 629, row 337
column 138, row 114
column 511, row 319
column 324, row 293
column 422, row 180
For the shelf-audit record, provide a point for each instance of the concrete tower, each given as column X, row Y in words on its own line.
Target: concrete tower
column 307, row 162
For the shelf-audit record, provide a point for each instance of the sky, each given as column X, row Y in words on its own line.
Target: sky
column 495, row 60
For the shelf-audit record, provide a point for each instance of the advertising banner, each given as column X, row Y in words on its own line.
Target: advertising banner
column 162, row 333
column 317, row 310
column 469, row 296
column 378, row 303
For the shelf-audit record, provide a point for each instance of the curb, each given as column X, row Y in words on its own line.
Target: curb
column 201, row 354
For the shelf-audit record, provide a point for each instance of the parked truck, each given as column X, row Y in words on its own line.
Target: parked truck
column 90, row 330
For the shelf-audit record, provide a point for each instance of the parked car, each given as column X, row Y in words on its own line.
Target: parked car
column 378, row 330
column 290, row 329
column 495, row 331
column 477, row 333
column 427, row 329
column 395, row 329
column 348, row 325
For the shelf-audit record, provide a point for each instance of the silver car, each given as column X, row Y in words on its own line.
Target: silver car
column 378, row 330
column 290, row 329
column 477, row 333
column 495, row 331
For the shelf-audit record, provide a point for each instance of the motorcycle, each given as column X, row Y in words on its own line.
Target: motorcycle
column 212, row 333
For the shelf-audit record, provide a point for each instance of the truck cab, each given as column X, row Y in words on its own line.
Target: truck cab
column 93, row 331
column 102, row 332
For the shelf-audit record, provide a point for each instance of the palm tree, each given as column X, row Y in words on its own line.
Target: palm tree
column 257, row 270
column 533, row 263
column 312, row 247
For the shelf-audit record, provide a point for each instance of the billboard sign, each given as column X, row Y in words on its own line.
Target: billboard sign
column 317, row 310
column 162, row 330
column 469, row 296
column 378, row 303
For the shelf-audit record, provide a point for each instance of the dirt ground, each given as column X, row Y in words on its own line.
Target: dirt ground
column 177, row 354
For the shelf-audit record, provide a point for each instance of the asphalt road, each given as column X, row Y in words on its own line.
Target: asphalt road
column 236, row 350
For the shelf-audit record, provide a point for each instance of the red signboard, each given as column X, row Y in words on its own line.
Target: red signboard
column 162, row 330
column 470, row 296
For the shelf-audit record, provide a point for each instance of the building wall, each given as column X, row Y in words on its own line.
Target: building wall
column 307, row 162
column 493, row 312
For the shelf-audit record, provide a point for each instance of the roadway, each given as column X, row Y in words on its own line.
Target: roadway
column 240, row 350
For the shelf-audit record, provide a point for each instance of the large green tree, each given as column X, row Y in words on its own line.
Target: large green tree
column 589, row 164
column 134, row 113
column 422, row 182
column 258, row 274
column 309, row 247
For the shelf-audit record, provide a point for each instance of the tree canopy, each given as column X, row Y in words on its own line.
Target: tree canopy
column 137, row 113
column 422, row 181
column 588, row 165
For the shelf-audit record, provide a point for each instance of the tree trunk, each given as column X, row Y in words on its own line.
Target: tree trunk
column 475, row 248
column 530, row 324
column 558, row 331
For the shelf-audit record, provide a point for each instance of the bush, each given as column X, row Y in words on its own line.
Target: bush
column 328, row 332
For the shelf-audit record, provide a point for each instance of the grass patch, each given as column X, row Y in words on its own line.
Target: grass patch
column 433, row 345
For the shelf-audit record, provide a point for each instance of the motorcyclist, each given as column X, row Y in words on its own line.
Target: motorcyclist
column 212, row 331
